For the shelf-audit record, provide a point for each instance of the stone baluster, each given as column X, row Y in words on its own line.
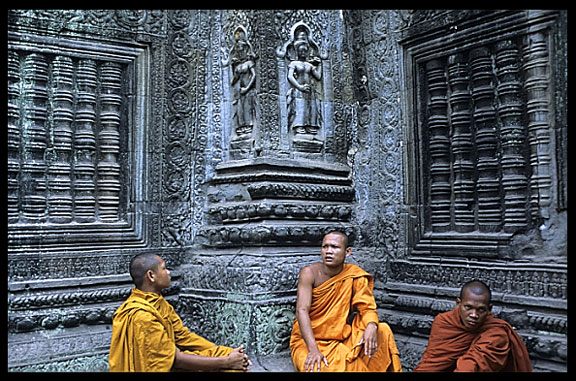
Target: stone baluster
column 59, row 181
column 85, row 143
column 488, row 185
column 461, row 120
column 13, row 113
column 513, row 136
column 109, row 142
column 34, row 138
column 536, row 87
column 440, row 192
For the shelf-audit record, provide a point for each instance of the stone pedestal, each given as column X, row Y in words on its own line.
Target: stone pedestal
column 266, row 220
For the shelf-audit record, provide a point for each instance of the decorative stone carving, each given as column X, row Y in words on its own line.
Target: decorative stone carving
column 68, row 173
column 514, row 178
column 536, row 63
column 438, row 144
column 475, row 215
column 241, row 59
column 309, row 199
column 305, row 94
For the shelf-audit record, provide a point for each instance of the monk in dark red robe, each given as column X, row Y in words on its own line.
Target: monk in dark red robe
column 470, row 339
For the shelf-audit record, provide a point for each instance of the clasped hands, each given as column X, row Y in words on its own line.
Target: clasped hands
column 369, row 339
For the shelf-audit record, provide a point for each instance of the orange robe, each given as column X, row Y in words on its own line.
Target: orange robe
column 332, row 301
column 494, row 347
column 145, row 333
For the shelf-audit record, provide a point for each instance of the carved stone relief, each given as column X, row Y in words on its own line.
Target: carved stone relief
column 64, row 175
column 231, row 141
column 304, row 96
column 241, row 59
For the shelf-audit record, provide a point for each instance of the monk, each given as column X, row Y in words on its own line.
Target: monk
column 470, row 339
column 336, row 327
column 148, row 335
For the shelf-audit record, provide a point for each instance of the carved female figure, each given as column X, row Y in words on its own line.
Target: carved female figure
column 242, row 59
column 303, row 98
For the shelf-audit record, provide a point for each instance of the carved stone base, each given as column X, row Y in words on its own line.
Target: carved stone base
column 227, row 295
column 241, row 147
column 82, row 348
column 307, row 143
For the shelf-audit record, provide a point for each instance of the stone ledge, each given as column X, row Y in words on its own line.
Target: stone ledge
column 277, row 362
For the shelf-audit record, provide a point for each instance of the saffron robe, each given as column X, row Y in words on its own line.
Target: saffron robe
column 145, row 333
column 332, row 302
column 494, row 347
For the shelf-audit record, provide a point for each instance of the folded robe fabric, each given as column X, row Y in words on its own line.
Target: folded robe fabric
column 145, row 333
column 331, row 304
column 494, row 347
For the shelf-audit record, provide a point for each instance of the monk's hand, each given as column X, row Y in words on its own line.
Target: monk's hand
column 370, row 339
column 314, row 360
column 238, row 359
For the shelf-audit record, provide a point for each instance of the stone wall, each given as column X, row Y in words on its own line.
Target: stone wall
column 230, row 141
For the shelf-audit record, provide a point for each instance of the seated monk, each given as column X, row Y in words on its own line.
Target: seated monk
column 148, row 335
column 470, row 339
column 324, row 338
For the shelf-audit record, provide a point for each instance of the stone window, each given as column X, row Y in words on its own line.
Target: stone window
column 74, row 157
column 483, row 139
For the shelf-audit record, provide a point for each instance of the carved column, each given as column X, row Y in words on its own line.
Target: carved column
column 488, row 186
column 438, row 128
column 109, row 139
column 59, row 171
column 462, row 164
column 512, row 135
column 85, row 143
column 34, row 137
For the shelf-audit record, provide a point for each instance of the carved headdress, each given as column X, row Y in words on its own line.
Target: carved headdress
column 240, row 38
column 300, row 34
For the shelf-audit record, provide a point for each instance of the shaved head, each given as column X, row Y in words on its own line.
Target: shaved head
column 140, row 265
column 343, row 235
column 476, row 287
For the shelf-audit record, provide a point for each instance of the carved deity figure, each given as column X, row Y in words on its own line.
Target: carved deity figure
column 303, row 98
column 242, row 60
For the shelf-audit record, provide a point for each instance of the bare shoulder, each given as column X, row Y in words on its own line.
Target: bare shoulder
column 311, row 268
column 307, row 274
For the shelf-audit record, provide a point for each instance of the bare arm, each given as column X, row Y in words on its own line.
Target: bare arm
column 235, row 360
column 303, row 302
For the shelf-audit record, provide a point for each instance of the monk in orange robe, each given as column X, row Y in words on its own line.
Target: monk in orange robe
column 148, row 335
column 470, row 339
column 336, row 327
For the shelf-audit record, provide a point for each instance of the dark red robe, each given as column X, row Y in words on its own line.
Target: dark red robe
column 494, row 347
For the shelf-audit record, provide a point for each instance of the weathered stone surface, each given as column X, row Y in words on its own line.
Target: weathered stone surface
column 230, row 141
